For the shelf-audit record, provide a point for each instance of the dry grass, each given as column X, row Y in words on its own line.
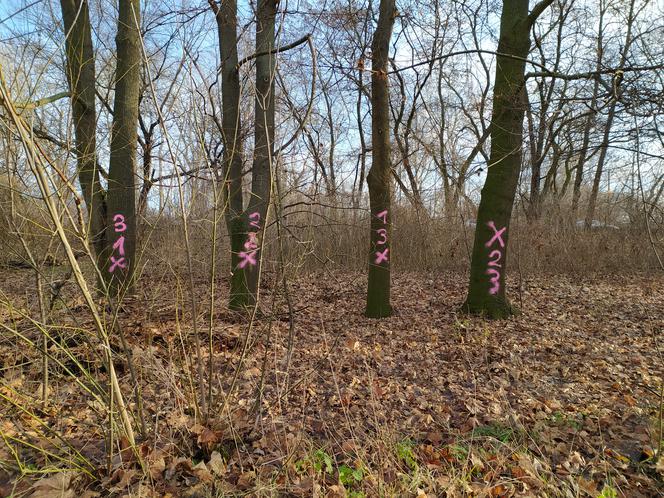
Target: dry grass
column 336, row 238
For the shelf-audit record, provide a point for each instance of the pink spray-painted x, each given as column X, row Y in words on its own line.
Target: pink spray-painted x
column 497, row 235
column 381, row 256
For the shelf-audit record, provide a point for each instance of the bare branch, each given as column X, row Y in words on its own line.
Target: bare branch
column 273, row 51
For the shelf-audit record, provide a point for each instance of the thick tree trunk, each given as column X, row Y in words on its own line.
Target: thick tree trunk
column 121, row 214
column 81, row 79
column 261, row 178
column 486, row 293
column 226, row 16
column 378, row 179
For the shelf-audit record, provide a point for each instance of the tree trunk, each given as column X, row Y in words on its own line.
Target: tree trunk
column 583, row 153
column 81, row 79
column 121, row 214
column 261, row 178
column 486, row 292
column 332, row 189
column 536, row 159
column 362, row 156
column 403, row 141
column 147, row 144
column 378, row 179
column 112, row 215
column 542, row 138
column 604, row 148
column 226, row 16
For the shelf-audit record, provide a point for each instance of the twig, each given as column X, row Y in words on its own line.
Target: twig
column 35, row 162
column 187, row 242
column 273, row 51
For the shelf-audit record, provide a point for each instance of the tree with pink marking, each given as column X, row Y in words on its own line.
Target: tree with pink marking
column 486, row 292
column 379, row 177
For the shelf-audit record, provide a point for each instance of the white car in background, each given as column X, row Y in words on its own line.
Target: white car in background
column 596, row 225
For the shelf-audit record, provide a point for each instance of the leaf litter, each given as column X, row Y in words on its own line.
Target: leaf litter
column 562, row 400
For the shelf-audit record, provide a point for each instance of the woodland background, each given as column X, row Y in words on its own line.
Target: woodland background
column 246, row 162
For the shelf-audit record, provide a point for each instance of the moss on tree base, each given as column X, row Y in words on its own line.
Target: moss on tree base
column 492, row 308
column 377, row 311
column 240, row 298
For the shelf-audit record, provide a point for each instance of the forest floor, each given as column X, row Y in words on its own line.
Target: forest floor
column 563, row 400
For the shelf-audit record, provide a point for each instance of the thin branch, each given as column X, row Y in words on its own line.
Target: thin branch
column 312, row 91
column 537, row 10
column 591, row 74
column 273, row 51
column 46, row 100
column 467, row 52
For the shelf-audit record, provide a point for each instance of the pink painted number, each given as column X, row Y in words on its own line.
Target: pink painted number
column 495, row 254
column 381, row 256
column 494, row 257
column 119, row 226
column 248, row 257
column 383, row 233
column 119, row 245
column 495, row 280
column 118, row 223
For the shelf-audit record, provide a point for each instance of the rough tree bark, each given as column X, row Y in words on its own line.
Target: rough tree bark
column 81, row 79
column 261, row 178
column 378, row 179
column 486, row 292
column 121, row 199
column 112, row 214
column 226, row 17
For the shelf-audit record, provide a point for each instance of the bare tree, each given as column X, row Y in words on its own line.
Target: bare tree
column 486, row 292
column 112, row 214
column 226, row 16
column 378, row 180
